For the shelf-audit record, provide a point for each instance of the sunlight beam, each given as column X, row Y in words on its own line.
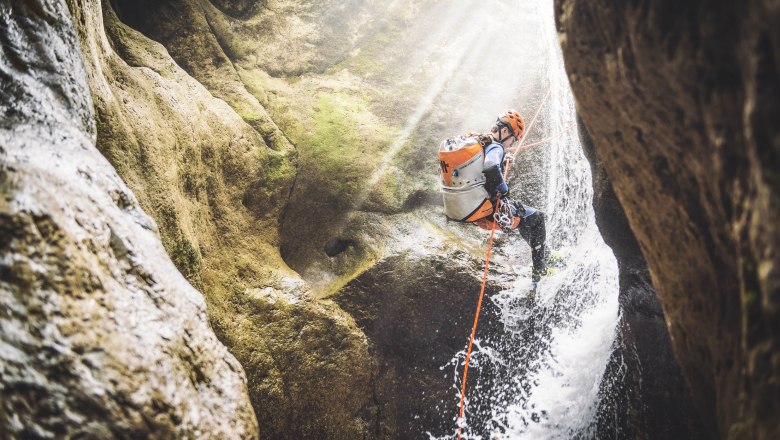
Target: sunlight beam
column 473, row 38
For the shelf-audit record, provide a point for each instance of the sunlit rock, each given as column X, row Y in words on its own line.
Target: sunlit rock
column 101, row 336
column 216, row 184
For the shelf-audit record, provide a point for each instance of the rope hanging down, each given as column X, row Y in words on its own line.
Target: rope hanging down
column 508, row 161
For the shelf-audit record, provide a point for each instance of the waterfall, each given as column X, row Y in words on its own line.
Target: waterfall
column 540, row 378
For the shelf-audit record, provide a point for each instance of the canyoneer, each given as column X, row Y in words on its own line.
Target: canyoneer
column 474, row 189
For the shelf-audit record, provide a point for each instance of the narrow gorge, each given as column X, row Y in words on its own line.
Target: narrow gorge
column 223, row 219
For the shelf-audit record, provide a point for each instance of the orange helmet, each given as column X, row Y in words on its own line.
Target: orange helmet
column 513, row 121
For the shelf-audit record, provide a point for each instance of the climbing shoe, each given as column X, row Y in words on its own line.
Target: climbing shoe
column 555, row 259
column 536, row 277
column 538, row 274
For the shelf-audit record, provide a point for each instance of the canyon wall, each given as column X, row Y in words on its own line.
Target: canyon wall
column 101, row 335
column 216, row 183
column 681, row 101
column 644, row 394
column 250, row 133
column 190, row 131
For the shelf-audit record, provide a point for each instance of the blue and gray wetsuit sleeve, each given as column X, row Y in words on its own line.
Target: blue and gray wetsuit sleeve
column 494, row 156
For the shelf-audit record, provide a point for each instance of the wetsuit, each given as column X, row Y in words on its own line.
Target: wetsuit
column 532, row 222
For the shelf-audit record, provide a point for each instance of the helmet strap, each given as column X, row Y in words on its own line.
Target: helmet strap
column 501, row 124
column 501, row 140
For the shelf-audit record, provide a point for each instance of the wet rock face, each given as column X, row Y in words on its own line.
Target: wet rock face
column 643, row 394
column 211, row 177
column 678, row 99
column 101, row 336
column 288, row 37
column 416, row 311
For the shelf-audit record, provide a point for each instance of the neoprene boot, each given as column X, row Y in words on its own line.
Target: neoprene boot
column 540, row 265
column 534, row 231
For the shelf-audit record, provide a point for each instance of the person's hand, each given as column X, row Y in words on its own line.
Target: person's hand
column 502, row 189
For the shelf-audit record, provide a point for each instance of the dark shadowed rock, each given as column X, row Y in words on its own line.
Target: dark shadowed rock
column 643, row 394
column 416, row 311
column 101, row 336
column 288, row 37
column 681, row 100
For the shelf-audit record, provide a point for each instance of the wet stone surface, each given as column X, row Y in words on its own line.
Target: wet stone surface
column 101, row 336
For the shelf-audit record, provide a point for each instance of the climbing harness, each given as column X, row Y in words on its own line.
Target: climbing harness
column 508, row 162
column 503, row 215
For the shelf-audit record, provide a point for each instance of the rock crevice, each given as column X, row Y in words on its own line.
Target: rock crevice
column 676, row 100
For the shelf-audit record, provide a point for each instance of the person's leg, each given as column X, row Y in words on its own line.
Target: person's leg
column 532, row 228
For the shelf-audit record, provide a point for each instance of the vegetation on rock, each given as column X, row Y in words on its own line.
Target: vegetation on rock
column 101, row 336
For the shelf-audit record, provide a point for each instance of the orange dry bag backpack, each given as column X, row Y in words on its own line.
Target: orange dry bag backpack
column 462, row 182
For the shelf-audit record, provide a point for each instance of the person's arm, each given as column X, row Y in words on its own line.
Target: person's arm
column 494, row 175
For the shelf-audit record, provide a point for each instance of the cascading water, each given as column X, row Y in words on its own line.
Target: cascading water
column 540, row 378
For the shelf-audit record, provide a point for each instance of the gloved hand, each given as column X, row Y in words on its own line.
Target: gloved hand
column 503, row 190
column 519, row 208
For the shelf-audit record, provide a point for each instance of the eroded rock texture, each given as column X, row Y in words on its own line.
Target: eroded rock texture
column 643, row 394
column 101, row 336
column 216, row 182
column 283, row 37
column 681, row 100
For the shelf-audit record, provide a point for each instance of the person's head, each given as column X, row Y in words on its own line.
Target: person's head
column 509, row 128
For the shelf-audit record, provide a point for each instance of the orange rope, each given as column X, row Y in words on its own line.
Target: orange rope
column 474, row 328
column 543, row 141
column 484, row 278
column 533, row 120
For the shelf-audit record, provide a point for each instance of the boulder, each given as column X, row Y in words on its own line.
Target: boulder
column 416, row 311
